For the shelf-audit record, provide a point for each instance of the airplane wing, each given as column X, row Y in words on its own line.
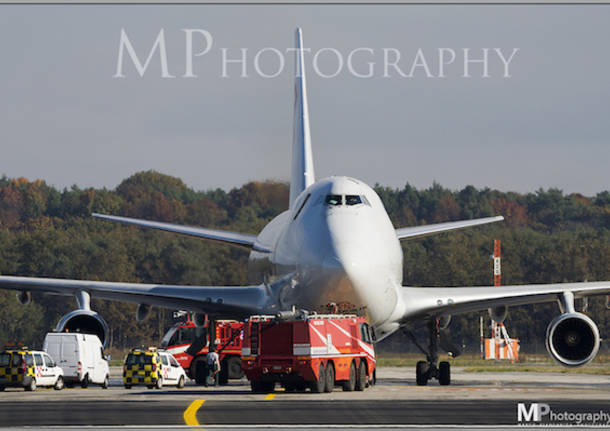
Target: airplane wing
column 235, row 238
column 423, row 302
column 430, row 229
column 216, row 300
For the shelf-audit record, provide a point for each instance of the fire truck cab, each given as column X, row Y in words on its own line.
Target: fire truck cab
column 318, row 352
column 189, row 344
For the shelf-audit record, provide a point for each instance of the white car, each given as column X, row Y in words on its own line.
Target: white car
column 81, row 356
column 29, row 369
column 173, row 374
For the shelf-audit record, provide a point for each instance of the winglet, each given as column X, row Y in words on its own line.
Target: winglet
column 302, row 175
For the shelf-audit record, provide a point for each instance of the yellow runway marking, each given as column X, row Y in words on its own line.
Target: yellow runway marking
column 190, row 414
column 270, row 397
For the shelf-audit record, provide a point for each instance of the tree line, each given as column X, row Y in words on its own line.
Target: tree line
column 548, row 236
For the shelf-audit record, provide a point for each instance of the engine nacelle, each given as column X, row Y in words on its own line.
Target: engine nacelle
column 85, row 322
column 200, row 320
column 572, row 339
column 498, row 314
column 24, row 297
column 142, row 312
column 444, row 321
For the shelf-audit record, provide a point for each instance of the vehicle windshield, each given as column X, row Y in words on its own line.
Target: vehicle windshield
column 5, row 359
column 138, row 359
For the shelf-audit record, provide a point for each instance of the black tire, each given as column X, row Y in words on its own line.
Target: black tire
column 2, row 388
column 317, row 386
column 106, row 382
column 223, row 374
column 290, row 387
column 444, row 373
column 127, row 386
column 150, row 386
column 234, row 367
column 85, row 382
column 59, row 384
column 374, row 377
column 361, row 377
column 301, row 386
column 199, row 369
column 268, row 387
column 256, row 386
column 330, row 377
column 421, row 373
column 159, row 383
column 180, row 384
column 350, row 384
column 32, row 386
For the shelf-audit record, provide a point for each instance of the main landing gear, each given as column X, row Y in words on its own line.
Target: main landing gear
column 427, row 370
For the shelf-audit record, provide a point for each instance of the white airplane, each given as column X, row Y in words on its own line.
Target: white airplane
column 334, row 245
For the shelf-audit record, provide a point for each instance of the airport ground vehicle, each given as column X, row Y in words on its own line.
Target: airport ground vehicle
column 317, row 352
column 153, row 368
column 22, row 367
column 189, row 344
column 81, row 356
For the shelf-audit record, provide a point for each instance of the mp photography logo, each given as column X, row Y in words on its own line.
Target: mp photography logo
column 543, row 414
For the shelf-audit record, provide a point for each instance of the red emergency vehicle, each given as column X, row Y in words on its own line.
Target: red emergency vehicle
column 189, row 344
column 317, row 352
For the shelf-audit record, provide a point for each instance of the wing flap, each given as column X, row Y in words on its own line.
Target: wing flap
column 216, row 300
column 421, row 302
column 430, row 229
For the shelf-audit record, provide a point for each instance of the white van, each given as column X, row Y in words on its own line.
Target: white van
column 81, row 356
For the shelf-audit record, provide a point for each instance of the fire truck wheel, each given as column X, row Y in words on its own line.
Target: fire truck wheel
column 234, row 367
column 223, row 375
column 268, row 386
column 361, row 378
column 330, row 377
column 180, row 384
column 350, row 384
column 421, row 373
column 444, row 373
column 199, row 369
column 290, row 387
column 301, row 387
column 319, row 384
column 256, row 386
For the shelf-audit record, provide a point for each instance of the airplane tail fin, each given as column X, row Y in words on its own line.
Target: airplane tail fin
column 302, row 174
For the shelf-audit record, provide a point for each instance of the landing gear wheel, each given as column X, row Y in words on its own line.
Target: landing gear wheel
column 234, row 367
column 361, row 377
column 350, row 384
column 59, row 384
column 106, row 382
column 159, row 383
column 330, row 378
column 180, row 384
column 319, row 384
column 32, row 386
column 444, row 373
column 421, row 373
column 85, row 382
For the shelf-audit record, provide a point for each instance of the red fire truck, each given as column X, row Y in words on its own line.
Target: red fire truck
column 190, row 344
column 317, row 352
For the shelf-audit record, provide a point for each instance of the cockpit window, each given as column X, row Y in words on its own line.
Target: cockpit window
column 333, row 200
column 352, row 200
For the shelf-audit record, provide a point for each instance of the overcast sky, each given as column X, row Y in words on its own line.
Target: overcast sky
column 67, row 120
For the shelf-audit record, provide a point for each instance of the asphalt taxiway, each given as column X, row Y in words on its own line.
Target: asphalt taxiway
column 473, row 398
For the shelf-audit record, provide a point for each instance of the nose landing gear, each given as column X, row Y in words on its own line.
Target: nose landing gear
column 428, row 370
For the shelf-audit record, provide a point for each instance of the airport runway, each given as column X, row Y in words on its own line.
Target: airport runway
column 474, row 398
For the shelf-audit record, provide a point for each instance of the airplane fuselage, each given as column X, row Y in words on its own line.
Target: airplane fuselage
column 341, row 247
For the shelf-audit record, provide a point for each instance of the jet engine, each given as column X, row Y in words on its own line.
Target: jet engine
column 572, row 339
column 86, row 322
column 24, row 297
column 498, row 314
